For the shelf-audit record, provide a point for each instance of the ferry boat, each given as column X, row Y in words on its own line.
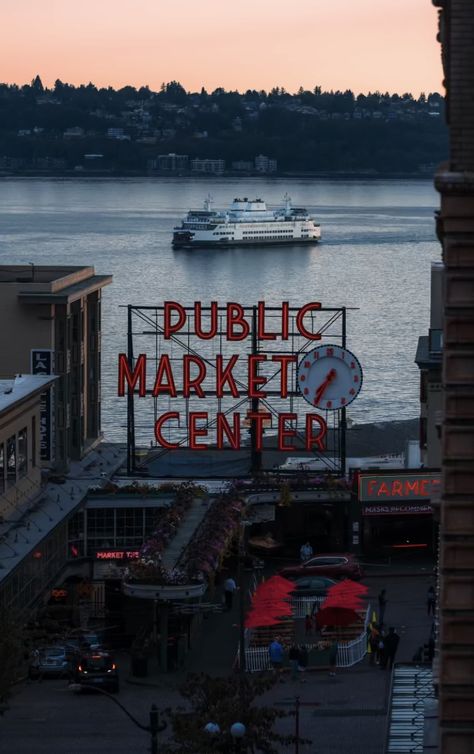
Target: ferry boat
column 246, row 222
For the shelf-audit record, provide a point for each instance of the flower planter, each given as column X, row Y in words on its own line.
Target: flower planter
column 164, row 591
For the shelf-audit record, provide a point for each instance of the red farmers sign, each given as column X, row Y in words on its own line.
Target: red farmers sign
column 187, row 376
column 397, row 488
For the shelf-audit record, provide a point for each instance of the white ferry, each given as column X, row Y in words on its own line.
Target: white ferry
column 246, row 222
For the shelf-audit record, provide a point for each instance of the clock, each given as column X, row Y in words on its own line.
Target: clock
column 329, row 377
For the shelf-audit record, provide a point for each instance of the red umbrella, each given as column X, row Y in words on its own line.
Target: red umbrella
column 336, row 616
column 348, row 587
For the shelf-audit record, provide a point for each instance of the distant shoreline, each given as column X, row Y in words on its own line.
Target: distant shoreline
column 293, row 175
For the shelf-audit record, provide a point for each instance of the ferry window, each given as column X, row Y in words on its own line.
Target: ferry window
column 11, row 460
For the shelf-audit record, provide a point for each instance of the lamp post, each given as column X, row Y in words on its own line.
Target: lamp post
column 154, row 726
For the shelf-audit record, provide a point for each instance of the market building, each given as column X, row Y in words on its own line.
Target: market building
column 55, row 315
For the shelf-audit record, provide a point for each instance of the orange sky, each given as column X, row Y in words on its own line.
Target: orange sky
column 363, row 45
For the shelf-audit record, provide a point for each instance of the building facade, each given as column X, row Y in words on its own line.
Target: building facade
column 55, row 314
column 455, row 183
column 214, row 167
column 428, row 358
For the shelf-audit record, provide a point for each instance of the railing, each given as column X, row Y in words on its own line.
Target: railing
column 348, row 653
column 303, row 606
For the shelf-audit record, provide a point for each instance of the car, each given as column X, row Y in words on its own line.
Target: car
column 312, row 586
column 49, row 661
column 335, row 565
column 97, row 669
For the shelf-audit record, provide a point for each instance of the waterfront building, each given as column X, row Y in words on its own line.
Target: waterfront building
column 428, row 358
column 54, row 316
column 265, row 164
column 171, row 163
column 24, row 574
column 244, row 166
column 213, row 167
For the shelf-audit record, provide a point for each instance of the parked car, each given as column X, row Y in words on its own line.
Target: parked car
column 312, row 586
column 335, row 565
column 49, row 661
column 97, row 669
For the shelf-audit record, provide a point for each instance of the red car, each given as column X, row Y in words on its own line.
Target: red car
column 337, row 565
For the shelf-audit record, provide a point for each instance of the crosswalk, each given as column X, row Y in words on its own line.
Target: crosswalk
column 411, row 686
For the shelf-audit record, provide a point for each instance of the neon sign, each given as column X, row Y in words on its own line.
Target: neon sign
column 395, row 487
column 187, row 378
column 117, row 554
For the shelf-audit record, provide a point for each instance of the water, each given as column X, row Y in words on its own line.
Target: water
column 378, row 244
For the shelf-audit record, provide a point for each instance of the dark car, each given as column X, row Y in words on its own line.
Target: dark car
column 312, row 586
column 99, row 670
column 335, row 565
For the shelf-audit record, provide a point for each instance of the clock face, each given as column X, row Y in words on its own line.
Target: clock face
column 329, row 377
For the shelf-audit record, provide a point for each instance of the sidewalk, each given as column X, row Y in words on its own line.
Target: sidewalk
column 347, row 712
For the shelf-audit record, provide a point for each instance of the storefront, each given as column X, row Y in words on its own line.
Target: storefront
column 395, row 513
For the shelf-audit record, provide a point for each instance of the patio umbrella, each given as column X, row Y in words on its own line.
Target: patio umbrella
column 347, row 587
column 336, row 616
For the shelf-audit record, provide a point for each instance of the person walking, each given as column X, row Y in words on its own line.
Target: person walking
column 276, row 654
column 302, row 661
column 382, row 605
column 431, row 601
column 308, row 625
column 389, row 649
column 333, row 658
column 374, row 641
column 306, row 552
column 229, row 588
column 294, row 658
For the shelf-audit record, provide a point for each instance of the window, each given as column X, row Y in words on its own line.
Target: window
column 22, row 452
column 11, row 460
column 33, row 441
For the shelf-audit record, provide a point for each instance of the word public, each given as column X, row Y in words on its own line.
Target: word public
column 194, row 372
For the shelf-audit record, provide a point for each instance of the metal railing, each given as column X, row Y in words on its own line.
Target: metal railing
column 348, row 653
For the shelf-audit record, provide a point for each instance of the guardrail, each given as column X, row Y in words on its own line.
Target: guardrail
column 348, row 653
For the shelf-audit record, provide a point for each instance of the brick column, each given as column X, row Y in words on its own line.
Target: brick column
column 456, row 232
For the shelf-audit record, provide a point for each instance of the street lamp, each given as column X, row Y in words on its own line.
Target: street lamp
column 237, row 731
column 153, row 728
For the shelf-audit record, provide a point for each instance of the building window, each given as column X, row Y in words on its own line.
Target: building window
column 11, row 460
column 33, row 441
column 22, row 452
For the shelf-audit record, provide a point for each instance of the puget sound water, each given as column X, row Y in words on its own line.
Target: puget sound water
column 378, row 242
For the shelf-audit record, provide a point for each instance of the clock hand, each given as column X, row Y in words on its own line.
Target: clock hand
column 322, row 388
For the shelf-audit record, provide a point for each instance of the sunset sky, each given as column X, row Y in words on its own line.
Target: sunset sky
column 363, row 45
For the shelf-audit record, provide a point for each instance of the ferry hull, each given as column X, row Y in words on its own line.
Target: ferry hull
column 228, row 244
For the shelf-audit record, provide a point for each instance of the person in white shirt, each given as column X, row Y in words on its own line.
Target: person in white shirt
column 229, row 588
column 306, row 552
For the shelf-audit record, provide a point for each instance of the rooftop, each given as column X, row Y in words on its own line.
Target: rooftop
column 52, row 284
column 22, row 387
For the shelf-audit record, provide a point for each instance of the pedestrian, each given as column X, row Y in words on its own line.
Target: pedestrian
column 374, row 639
column 306, row 552
column 229, row 588
column 382, row 605
column 308, row 625
column 333, row 658
column 275, row 652
column 389, row 649
column 380, row 646
column 303, row 662
column 294, row 658
column 431, row 601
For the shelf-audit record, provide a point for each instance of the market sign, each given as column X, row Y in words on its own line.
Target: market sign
column 117, row 554
column 328, row 377
column 396, row 489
